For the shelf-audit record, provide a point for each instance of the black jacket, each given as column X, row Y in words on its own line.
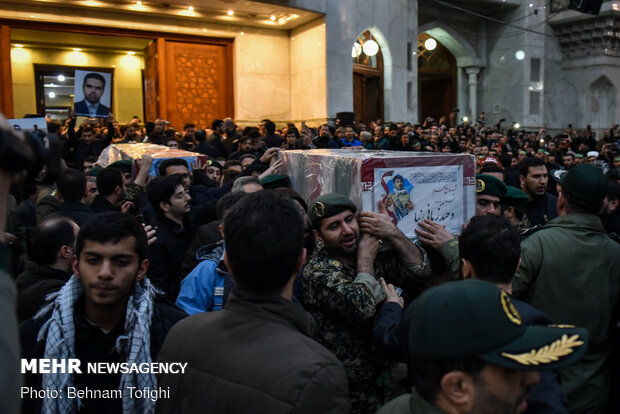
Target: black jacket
column 255, row 356
column 101, row 205
column 542, row 209
column 34, row 284
column 77, row 212
column 166, row 254
column 94, row 345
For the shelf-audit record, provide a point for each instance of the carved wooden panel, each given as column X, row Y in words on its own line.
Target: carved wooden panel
column 150, row 81
column 198, row 83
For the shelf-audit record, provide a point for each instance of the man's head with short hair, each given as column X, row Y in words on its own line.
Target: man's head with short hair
column 110, row 259
column 175, row 166
column 247, row 185
column 533, row 176
column 217, row 126
column 72, row 185
column 109, row 181
column 88, row 134
column 168, row 195
column 489, row 248
column 611, row 203
column 93, row 86
column 270, row 127
column 53, row 240
column 258, row 220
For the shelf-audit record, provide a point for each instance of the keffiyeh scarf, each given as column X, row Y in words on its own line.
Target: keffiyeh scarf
column 59, row 334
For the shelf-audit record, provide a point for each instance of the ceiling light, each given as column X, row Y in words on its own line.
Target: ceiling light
column 18, row 45
column 190, row 8
column 230, row 12
column 273, row 18
column 242, row 33
column 139, row 3
column 520, row 55
column 51, row 95
column 370, row 47
column 77, row 49
column 131, row 53
column 430, row 44
column 61, row 78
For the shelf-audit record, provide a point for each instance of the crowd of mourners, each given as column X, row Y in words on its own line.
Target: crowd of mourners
column 277, row 303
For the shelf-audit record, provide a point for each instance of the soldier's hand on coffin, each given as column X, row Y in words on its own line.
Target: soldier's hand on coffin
column 378, row 224
column 432, row 233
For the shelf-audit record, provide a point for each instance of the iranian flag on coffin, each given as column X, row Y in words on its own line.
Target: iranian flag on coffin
column 413, row 186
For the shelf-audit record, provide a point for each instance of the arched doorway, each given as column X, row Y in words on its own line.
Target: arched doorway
column 436, row 78
column 367, row 79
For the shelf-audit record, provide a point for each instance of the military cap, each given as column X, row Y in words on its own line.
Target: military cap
column 489, row 185
column 328, row 205
column 123, row 166
column 514, row 198
column 273, row 181
column 94, row 171
column 473, row 318
column 585, row 182
column 213, row 163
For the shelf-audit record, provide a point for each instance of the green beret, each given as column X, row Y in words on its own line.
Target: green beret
column 329, row 205
column 585, row 182
column 273, row 181
column 515, row 198
column 489, row 185
column 213, row 163
column 94, row 171
column 473, row 318
column 123, row 166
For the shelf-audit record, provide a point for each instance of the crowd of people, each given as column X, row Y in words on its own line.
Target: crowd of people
column 280, row 304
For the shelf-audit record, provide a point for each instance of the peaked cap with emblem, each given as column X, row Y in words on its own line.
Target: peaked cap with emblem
column 489, row 185
column 585, row 182
column 473, row 318
column 328, row 205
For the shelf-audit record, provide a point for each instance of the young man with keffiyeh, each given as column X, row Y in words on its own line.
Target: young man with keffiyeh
column 107, row 312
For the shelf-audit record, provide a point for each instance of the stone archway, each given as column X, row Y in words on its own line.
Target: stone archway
column 468, row 65
column 372, row 78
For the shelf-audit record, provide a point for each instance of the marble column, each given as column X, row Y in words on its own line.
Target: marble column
column 472, row 81
column 461, row 94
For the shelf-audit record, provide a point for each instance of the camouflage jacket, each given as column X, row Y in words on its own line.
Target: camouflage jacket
column 343, row 303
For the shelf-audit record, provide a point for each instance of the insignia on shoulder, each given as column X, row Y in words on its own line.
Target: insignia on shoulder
column 548, row 353
column 509, row 308
column 480, row 185
column 530, row 231
column 319, row 209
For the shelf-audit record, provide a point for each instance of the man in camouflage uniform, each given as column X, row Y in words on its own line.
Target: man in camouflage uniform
column 342, row 288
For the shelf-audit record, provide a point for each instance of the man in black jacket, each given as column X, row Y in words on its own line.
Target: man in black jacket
column 534, row 177
column 51, row 246
column 72, row 190
column 171, row 201
column 257, row 354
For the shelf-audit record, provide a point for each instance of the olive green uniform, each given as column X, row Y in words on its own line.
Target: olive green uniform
column 570, row 270
column 410, row 404
column 343, row 303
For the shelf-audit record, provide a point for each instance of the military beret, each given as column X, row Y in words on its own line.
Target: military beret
column 213, row 163
column 473, row 318
column 94, row 171
column 489, row 185
column 514, row 198
column 585, row 182
column 329, row 205
column 123, row 165
column 273, row 181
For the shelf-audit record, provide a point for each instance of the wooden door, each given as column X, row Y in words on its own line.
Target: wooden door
column 188, row 82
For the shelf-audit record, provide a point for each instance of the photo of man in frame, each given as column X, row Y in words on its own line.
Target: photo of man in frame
column 93, row 89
